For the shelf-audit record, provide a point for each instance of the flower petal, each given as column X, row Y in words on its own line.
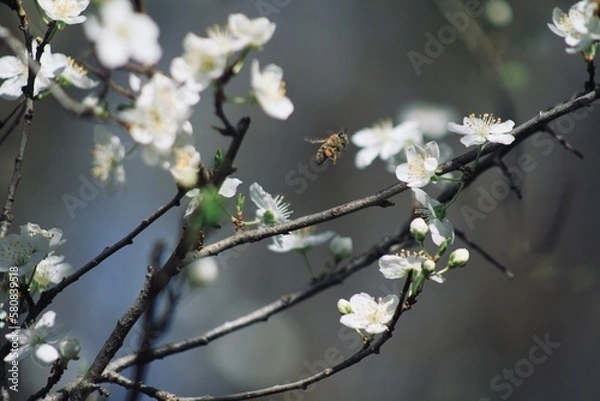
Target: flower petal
column 45, row 354
column 229, row 187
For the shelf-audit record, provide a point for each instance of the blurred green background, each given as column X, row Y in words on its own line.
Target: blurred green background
column 347, row 64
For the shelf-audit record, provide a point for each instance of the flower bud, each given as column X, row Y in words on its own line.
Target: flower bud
column 202, row 272
column 419, row 229
column 344, row 307
column 429, row 266
column 458, row 258
column 69, row 348
column 340, row 247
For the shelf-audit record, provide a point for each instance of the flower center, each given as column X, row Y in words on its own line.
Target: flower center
column 182, row 159
column 417, row 167
column 482, row 123
column 565, row 23
column 65, row 7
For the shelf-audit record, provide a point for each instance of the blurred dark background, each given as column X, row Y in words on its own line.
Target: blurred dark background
column 346, row 64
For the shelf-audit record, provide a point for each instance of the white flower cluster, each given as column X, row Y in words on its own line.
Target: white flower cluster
column 158, row 117
column 420, row 167
column 29, row 260
column 158, row 120
column 580, row 27
column 363, row 312
column 33, row 249
column 15, row 72
column 205, row 59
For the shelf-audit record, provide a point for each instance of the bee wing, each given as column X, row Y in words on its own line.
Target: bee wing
column 316, row 140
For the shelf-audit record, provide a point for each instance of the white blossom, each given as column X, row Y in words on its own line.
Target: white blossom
column 580, row 27
column 203, row 61
column 368, row 314
column 76, row 75
column 269, row 90
column 481, row 129
column 420, row 165
column 159, row 114
column 226, row 41
column 50, row 271
column 120, row 34
column 27, row 249
column 270, row 210
column 383, row 140
column 398, row 266
column 36, row 341
column 186, row 166
column 255, row 32
column 107, row 155
column 15, row 72
column 66, row 11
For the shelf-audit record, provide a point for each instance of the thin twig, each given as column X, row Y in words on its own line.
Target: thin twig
column 155, row 324
column 511, row 182
column 58, row 371
column 463, row 236
column 47, row 296
column 561, row 139
column 591, row 70
column 24, row 26
column 369, row 349
column 283, row 303
column 7, row 216
column 220, row 97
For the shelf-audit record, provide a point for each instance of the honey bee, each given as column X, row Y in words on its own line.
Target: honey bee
column 331, row 146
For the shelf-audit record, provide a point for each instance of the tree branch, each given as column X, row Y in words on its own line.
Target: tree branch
column 80, row 389
column 7, row 216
